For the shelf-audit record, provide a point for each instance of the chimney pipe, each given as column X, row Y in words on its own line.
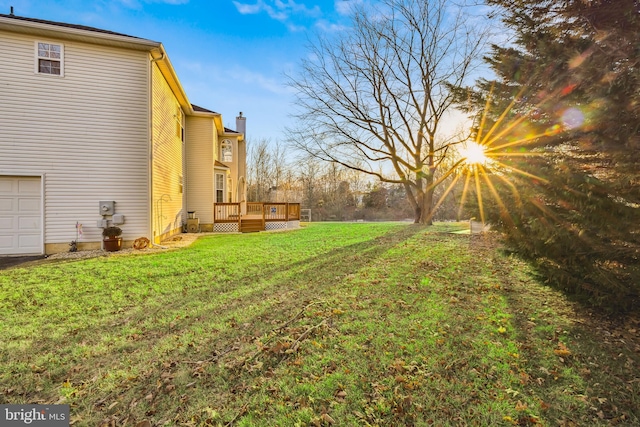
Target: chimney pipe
column 11, row 11
column 241, row 125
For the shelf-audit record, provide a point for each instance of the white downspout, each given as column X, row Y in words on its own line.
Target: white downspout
column 150, row 146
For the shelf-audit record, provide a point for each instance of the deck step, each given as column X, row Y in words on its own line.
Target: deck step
column 251, row 225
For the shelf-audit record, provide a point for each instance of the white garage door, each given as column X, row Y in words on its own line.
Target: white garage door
column 20, row 215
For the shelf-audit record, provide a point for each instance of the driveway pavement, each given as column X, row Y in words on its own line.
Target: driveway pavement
column 12, row 261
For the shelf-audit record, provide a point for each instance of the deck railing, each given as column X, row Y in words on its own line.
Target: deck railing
column 281, row 211
column 254, row 208
column 230, row 212
column 226, row 212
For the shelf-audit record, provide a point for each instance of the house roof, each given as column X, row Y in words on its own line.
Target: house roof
column 63, row 24
column 202, row 110
column 222, row 131
column 43, row 28
column 220, row 165
column 233, row 133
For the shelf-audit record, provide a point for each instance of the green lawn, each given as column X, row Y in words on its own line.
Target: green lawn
column 362, row 324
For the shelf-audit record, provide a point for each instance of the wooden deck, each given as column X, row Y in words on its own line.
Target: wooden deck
column 254, row 217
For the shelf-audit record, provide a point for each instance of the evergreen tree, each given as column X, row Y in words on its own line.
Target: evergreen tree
column 562, row 121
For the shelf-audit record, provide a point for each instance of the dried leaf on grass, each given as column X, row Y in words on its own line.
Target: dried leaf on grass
column 327, row 419
column 562, row 350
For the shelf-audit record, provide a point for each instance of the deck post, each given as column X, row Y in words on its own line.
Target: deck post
column 264, row 216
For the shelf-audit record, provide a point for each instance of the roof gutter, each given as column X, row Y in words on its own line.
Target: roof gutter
column 76, row 34
column 169, row 73
column 162, row 56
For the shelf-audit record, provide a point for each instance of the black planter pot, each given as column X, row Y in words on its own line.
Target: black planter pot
column 112, row 244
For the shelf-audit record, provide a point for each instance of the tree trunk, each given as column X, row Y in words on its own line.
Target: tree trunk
column 423, row 202
column 427, row 208
column 423, row 208
column 417, row 214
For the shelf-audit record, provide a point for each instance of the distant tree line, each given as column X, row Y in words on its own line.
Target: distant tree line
column 332, row 192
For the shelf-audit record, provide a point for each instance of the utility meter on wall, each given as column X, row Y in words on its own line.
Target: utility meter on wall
column 107, row 208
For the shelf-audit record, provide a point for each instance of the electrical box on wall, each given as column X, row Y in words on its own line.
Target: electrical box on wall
column 117, row 219
column 107, row 207
column 102, row 223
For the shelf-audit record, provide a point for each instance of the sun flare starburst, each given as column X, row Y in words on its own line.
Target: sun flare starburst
column 488, row 158
column 474, row 153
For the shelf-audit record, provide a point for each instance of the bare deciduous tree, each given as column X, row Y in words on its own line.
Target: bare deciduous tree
column 279, row 170
column 374, row 98
column 269, row 174
column 260, row 171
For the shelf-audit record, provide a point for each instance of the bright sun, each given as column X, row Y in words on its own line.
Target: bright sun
column 474, row 153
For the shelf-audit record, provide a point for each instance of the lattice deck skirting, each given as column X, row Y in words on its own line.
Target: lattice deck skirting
column 282, row 225
column 232, row 227
column 225, row 227
column 275, row 225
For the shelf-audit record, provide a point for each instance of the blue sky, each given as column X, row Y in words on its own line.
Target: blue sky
column 230, row 55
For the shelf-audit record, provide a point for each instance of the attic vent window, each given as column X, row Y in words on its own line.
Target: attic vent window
column 227, row 151
column 49, row 57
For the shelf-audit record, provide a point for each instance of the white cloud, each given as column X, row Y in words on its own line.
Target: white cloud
column 193, row 66
column 298, row 8
column 344, row 7
column 248, row 77
column 329, row 27
column 260, row 6
column 131, row 4
column 313, row 57
column 136, row 4
column 248, row 9
column 296, row 28
column 233, row 75
column 279, row 10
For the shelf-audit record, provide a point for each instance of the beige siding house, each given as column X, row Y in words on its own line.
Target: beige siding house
column 87, row 116
column 210, row 179
column 200, row 159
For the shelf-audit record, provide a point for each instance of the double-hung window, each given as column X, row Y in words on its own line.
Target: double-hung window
column 219, row 188
column 49, row 58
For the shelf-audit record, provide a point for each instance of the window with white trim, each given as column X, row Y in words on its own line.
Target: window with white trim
column 49, row 58
column 227, row 151
column 219, row 188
